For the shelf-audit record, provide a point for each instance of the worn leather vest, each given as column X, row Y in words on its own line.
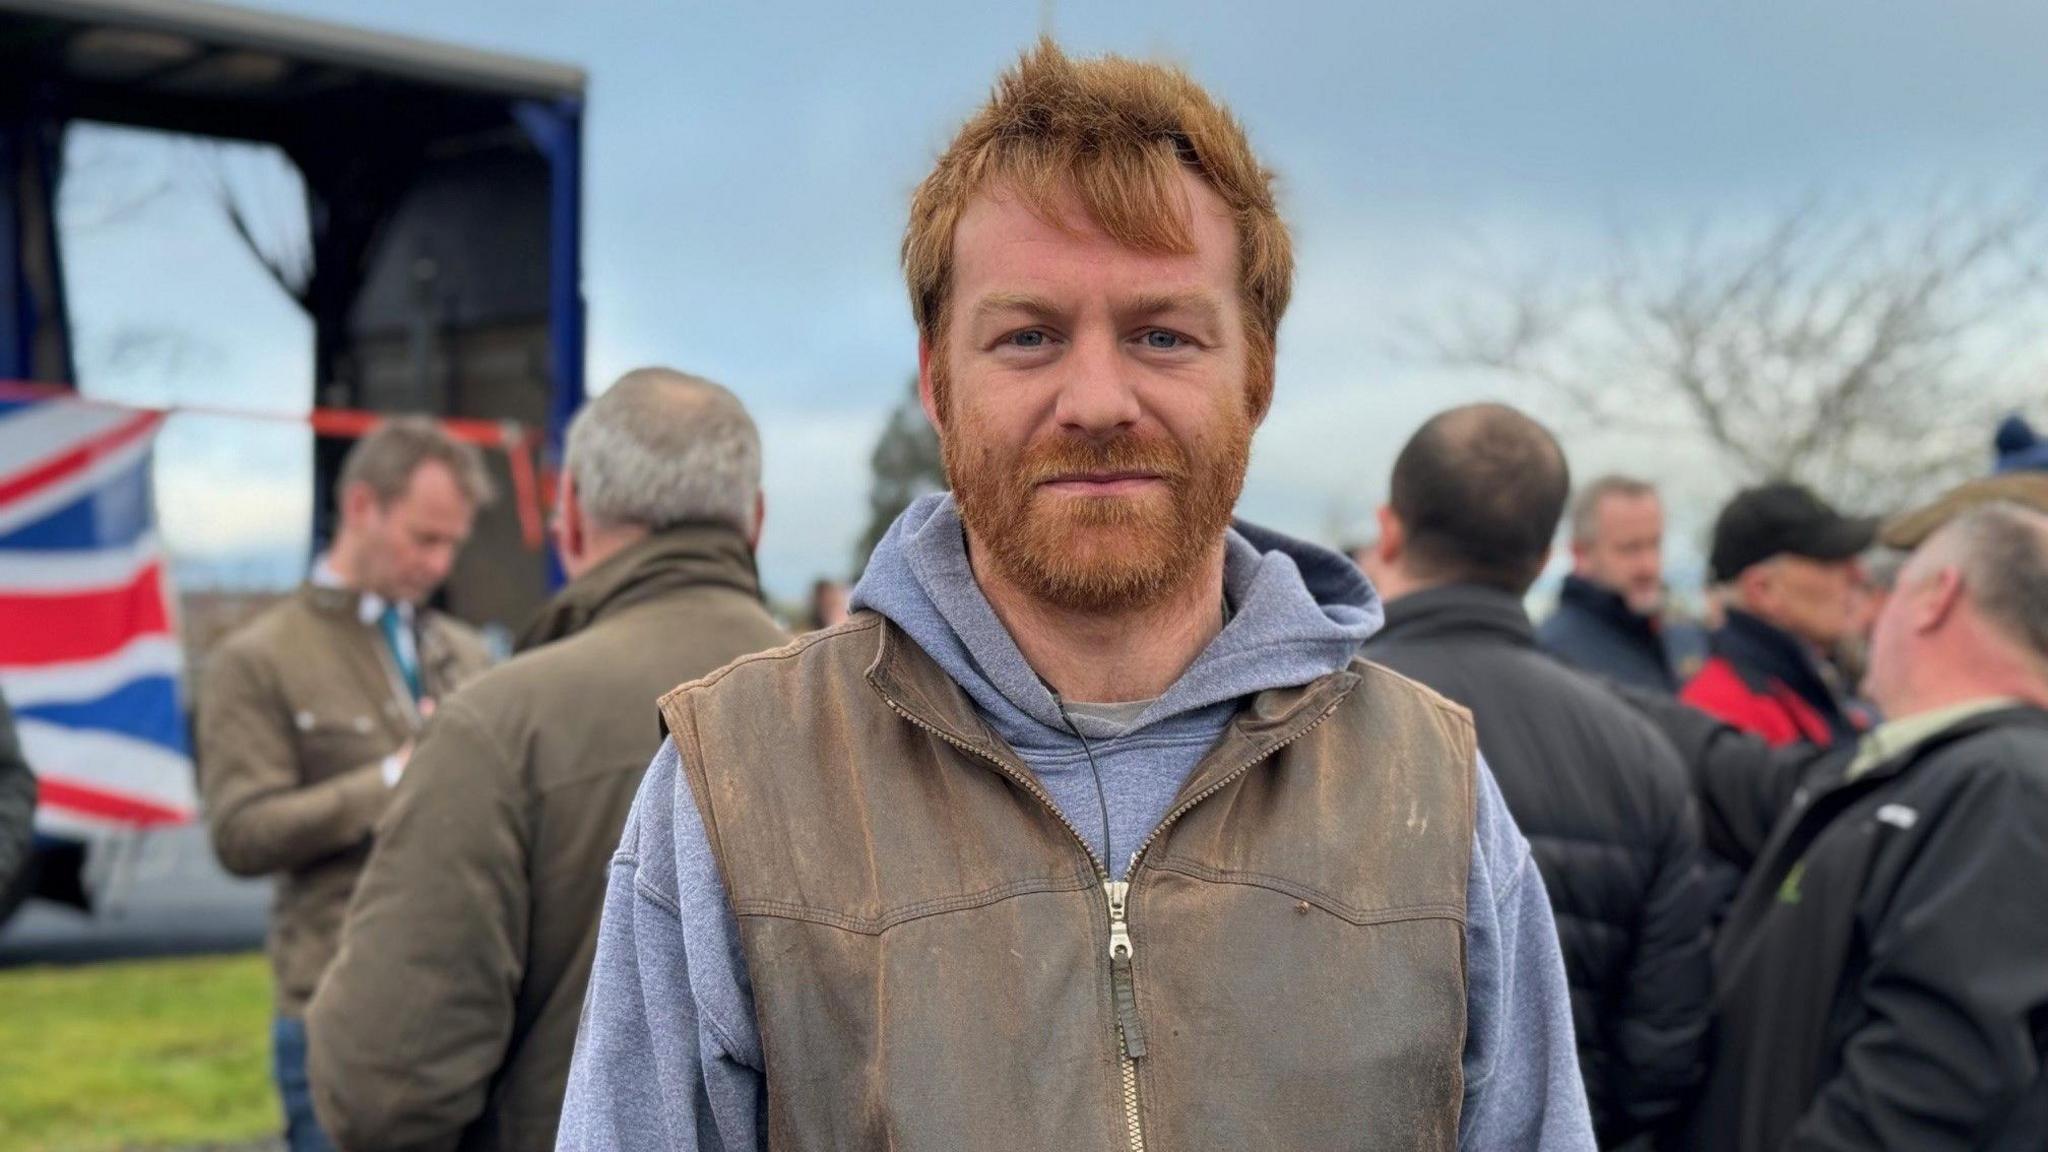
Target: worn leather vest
column 939, row 962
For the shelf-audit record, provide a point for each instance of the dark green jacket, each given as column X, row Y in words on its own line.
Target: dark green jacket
column 450, row 1017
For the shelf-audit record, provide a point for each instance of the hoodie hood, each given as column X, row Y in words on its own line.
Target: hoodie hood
column 1297, row 612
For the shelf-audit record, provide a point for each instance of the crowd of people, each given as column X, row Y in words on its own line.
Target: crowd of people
column 1097, row 818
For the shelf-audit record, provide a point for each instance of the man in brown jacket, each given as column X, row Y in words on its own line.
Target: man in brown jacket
column 449, row 1019
column 308, row 713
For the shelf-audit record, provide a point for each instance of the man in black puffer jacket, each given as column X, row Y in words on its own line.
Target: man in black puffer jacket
column 1602, row 797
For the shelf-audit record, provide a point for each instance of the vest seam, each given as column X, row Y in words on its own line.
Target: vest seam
column 1338, row 908
column 792, row 649
column 877, row 925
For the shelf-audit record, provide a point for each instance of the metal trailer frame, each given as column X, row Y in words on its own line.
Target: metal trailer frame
column 207, row 69
column 193, row 92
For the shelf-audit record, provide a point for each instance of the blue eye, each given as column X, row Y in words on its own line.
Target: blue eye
column 1163, row 340
column 1029, row 338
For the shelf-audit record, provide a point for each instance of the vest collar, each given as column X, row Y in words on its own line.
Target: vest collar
column 912, row 683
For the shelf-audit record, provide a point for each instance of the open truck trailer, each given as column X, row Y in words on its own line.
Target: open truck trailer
column 443, row 205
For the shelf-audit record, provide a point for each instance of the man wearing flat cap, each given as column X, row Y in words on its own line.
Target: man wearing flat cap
column 1785, row 564
column 2019, row 475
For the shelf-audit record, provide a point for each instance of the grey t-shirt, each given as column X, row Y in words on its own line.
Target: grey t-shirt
column 1105, row 721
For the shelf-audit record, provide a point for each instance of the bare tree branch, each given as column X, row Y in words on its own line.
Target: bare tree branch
column 1862, row 352
column 286, row 257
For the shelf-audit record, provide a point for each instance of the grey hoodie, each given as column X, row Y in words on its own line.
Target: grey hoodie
column 668, row 1056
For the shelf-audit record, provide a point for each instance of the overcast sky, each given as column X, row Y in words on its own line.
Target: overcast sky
column 749, row 165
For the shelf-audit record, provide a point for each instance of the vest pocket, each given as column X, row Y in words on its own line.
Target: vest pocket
column 985, row 1028
column 1360, row 914
column 1277, row 1016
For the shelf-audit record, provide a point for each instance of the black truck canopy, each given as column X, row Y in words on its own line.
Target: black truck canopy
column 443, row 191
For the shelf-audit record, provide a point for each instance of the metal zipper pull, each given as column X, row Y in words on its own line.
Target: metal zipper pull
column 1121, row 988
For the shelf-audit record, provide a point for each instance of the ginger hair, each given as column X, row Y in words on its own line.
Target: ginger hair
column 1114, row 133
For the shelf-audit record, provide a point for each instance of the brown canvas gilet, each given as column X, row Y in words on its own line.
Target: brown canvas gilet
column 939, row 963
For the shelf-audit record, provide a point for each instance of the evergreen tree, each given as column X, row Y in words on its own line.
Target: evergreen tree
column 904, row 466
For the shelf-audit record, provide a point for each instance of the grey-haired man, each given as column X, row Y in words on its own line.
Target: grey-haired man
column 449, row 1017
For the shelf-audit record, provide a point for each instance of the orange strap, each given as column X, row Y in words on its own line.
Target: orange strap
column 515, row 440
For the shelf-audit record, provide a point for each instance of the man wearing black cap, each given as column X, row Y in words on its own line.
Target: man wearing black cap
column 1785, row 562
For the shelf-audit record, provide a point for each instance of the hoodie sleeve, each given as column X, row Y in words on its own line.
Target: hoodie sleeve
column 1522, row 1085
column 667, row 1056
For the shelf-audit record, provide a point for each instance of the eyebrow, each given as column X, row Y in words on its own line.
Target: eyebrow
column 1201, row 305
column 1014, row 302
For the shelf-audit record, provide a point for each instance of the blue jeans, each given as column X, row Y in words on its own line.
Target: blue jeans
column 288, row 1053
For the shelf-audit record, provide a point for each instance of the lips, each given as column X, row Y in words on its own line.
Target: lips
column 1099, row 477
column 1125, row 467
column 1101, row 483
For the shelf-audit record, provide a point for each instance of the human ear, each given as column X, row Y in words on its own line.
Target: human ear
column 1393, row 539
column 1939, row 596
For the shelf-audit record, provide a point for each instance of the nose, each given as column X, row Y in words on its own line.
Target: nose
column 440, row 560
column 1096, row 393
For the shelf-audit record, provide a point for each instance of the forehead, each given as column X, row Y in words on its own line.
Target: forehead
column 1629, row 504
column 1002, row 244
column 432, row 487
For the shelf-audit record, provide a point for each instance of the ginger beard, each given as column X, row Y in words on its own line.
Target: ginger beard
column 1094, row 553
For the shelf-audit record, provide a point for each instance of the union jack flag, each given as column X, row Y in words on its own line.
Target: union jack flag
column 89, row 654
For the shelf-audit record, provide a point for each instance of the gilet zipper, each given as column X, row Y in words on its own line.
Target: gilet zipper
column 1123, row 989
column 1131, row 1036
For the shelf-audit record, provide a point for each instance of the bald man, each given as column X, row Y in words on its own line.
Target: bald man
column 1473, row 503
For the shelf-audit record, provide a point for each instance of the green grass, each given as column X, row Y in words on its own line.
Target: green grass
column 148, row 1054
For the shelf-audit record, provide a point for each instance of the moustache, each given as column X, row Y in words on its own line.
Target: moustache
column 1123, row 455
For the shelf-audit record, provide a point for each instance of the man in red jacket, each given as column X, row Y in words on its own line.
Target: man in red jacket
column 1786, row 564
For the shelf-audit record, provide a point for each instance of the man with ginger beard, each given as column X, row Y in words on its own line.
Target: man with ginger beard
column 1089, row 829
